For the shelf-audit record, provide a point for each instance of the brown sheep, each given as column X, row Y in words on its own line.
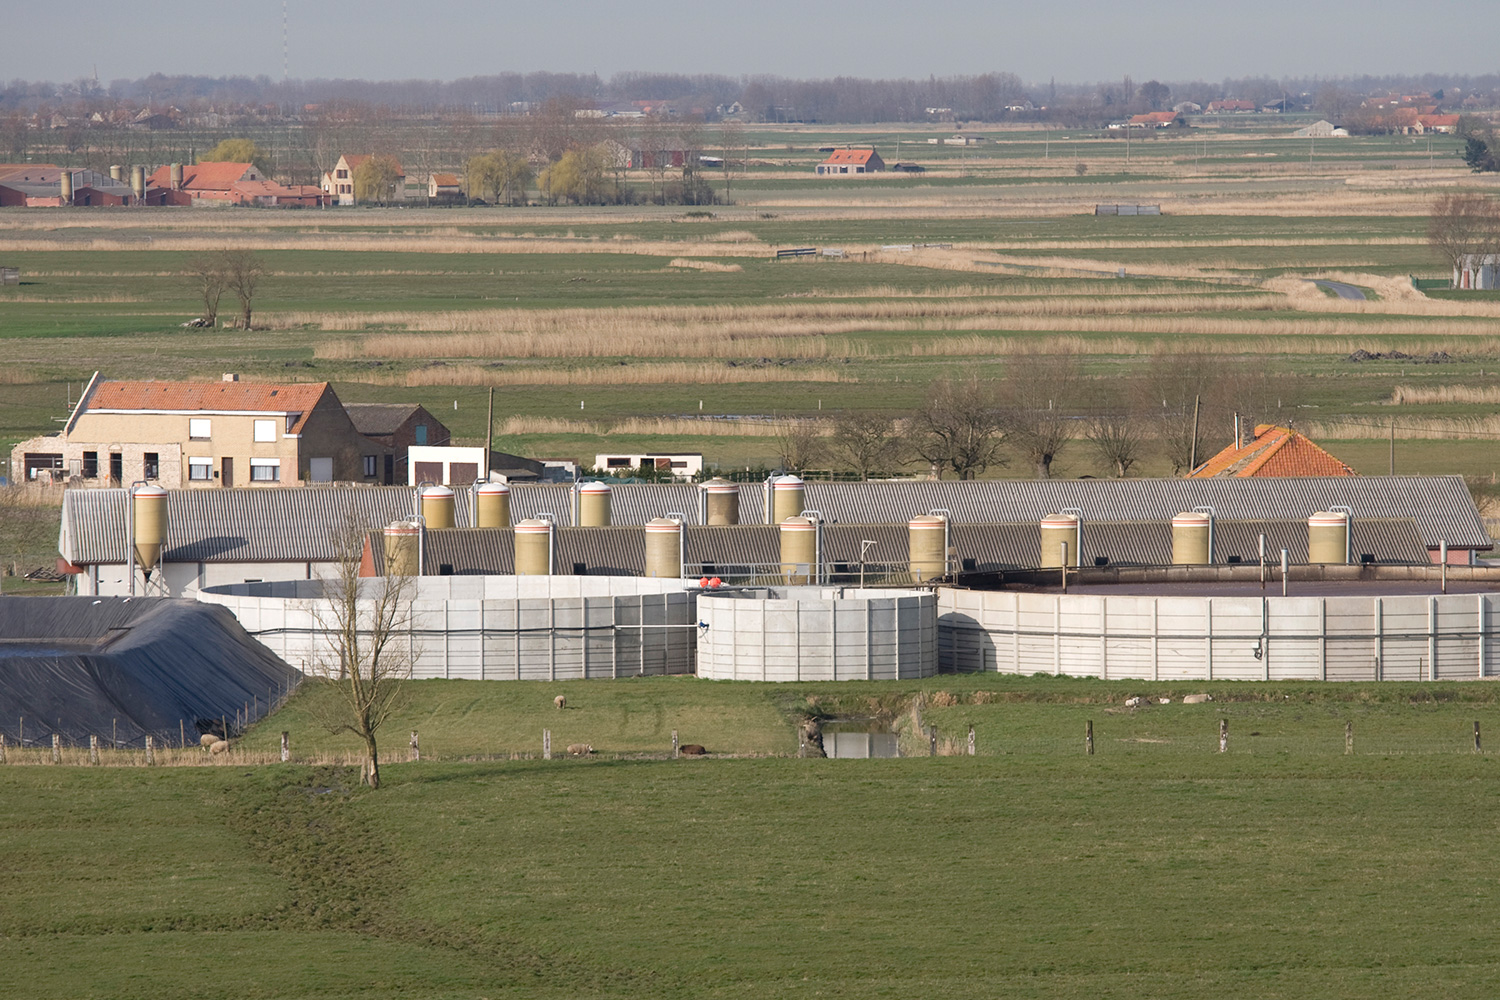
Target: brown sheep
column 560, row 701
column 692, row 750
column 580, row 749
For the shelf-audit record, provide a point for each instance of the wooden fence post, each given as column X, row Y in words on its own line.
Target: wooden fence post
column 971, row 741
column 181, row 735
column 56, row 749
column 1088, row 738
column 150, row 751
column 2, row 748
column 546, row 744
column 93, row 750
column 675, row 754
column 1348, row 737
column 932, row 742
column 1476, row 737
column 286, row 746
column 1223, row 735
column 416, row 748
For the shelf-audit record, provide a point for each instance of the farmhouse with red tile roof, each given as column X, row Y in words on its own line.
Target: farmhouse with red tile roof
column 1273, row 452
column 852, row 161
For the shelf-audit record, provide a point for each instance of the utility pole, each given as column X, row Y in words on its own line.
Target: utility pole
column 489, row 435
column 1193, row 452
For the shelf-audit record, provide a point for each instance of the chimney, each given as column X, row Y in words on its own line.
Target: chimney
column 231, row 377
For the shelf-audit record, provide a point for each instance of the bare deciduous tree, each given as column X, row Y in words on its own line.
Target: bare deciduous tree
column 242, row 273
column 866, row 442
column 207, row 271
column 369, row 622
column 958, row 427
column 1118, row 436
column 1039, row 395
column 1463, row 223
column 799, row 443
column 1174, row 380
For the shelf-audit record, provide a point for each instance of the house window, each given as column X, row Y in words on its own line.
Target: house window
column 265, row 470
column 265, row 430
column 370, row 465
column 90, row 465
column 421, row 434
column 200, row 470
column 151, row 465
column 617, row 463
column 200, row 428
column 342, row 174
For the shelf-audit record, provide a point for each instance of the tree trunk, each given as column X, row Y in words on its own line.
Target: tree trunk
column 372, row 762
column 245, row 319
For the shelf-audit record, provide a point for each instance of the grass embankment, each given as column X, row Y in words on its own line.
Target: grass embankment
column 1031, row 873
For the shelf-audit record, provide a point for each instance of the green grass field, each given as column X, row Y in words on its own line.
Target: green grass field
column 1156, row 868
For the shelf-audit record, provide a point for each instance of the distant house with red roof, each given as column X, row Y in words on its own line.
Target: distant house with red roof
column 851, row 161
column 1438, row 123
column 1154, row 119
column 225, row 183
column 444, row 187
column 206, row 434
column 1272, row 452
column 339, row 182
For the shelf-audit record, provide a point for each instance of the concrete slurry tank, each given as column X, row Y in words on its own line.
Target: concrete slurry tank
column 817, row 634
column 492, row 506
column 721, row 502
column 437, row 507
column 1328, row 537
column 593, row 505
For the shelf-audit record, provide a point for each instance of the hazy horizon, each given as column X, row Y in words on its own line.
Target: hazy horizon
column 1082, row 42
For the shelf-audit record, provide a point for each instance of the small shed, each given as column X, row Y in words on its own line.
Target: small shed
column 10, row 275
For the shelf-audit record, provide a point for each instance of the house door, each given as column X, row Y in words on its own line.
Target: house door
column 226, row 476
column 390, row 470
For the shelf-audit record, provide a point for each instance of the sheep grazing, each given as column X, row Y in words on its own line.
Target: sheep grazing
column 207, row 740
column 692, row 750
column 560, row 701
column 1136, row 702
column 1196, row 699
column 580, row 749
column 220, row 746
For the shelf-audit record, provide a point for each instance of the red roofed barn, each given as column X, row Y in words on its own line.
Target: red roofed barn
column 852, row 161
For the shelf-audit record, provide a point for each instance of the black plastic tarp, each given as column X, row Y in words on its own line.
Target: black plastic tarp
column 125, row 667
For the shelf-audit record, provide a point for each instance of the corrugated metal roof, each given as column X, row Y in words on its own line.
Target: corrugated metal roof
column 621, row 550
column 294, row 524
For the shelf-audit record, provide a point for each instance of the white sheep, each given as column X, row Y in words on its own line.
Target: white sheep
column 560, row 701
column 207, row 740
column 580, row 749
column 1136, row 702
column 221, row 746
column 1196, row 699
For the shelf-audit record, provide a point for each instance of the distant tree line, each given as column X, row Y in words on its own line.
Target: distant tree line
column 1181, row 409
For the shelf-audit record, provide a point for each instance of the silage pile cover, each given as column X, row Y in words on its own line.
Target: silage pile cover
column 84, row 665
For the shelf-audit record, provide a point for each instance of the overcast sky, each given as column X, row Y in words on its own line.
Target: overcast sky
column 1074, row 41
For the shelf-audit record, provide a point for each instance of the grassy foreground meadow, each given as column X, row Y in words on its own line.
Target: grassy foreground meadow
column 1155, row 868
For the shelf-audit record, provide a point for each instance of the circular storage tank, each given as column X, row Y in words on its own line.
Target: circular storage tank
column 116, row 172
column 150, row 523
column 788, row 498
column 1328, row 537
column 664, row 548
column 799, row 549
column 1058, row 529
column 721, row 500
column 927, row 546
column 138, row 181
column 817, row 634
column 593, row 505
column 67, row 187
column 534, row 547
column 492, row 506
column 1190, row 539
column 403, row 541
column 437, row 507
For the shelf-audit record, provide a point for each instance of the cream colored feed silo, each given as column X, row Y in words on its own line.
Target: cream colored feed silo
column 534, row 547
column 593, row 505
column 1057, row 529
column 664, row 548
column 492, row 506
column 799, row 550
column 149, row 524
column 927, row 546
column 437, row 507
column 1191, row 532
column 721, row 502
column 403, row 541
column 788, row 498
column 1328, row 537
column 67, row 187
